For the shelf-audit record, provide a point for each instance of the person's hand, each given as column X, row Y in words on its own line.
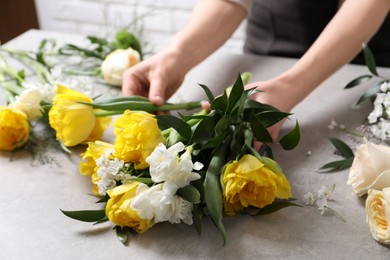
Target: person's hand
column 156, row 78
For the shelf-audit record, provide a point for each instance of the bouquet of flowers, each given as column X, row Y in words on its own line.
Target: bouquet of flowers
column 181, row 169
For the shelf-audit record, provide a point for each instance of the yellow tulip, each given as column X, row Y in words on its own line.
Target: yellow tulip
column 72, row 121
column 137, row 135
column 249, row 182
column 118, row 208
column 14, row 128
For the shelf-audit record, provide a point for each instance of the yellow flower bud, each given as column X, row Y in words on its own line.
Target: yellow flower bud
column 249, row 182
column 118, row 208
column 137, row 134
column 14, row 128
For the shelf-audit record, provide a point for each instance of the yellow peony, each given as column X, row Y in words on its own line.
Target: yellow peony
column 88, row 164
column 73, row 122
column 249, row 182
column 14, row 128
column 137, row 134
column 118, row 208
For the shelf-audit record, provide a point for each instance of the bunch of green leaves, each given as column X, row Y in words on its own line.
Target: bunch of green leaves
column 224, row 134
column 100, row 47
column 345, row 151
column 373, row 89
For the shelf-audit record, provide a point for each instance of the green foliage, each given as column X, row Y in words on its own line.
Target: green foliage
column 345, row 151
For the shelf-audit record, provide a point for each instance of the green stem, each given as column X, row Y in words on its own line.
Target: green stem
column 337, row 214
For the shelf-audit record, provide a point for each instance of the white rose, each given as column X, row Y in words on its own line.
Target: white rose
column 154, row 203
column 370, row 168
column 29, row 101
column 378, row 214
column 116, row 63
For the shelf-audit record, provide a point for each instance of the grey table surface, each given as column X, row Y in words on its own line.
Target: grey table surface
column 32, row 226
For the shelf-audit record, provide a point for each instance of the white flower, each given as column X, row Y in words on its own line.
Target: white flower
column 116, row 63
column 385, row 86
column 332, row 125
column 166, row 166
column 326, row 192
column 108, row 171
column 29, row 102
column 382, row 129
column 154, row 203
column 370, row 168
column 322, row 204
column 309, row 198
column 378, row 214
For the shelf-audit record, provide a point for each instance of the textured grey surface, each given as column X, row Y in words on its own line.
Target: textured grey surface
column 32, row 226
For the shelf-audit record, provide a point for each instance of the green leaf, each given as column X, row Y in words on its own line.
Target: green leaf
column 222, row 125
column 342, row 147
column 203, row 130
column 197, row 216
column 336, row 166
column 208, row 92
column 122, row 234
column 190, row 193
column 235, row 93
column 291, row 139
column 359, row 80
column 269, row 118
column 370, row 60
column 371, row 92
column 259, row 130
column 220, row 103
column 215, row 141
column 272, row 165
column 103, row 199
column 213, row 193
column 275, row 206
column 86, row 215
column 176, row 123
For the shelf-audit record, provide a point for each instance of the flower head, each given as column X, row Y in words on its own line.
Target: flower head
column 116, row 63
column 72, row 121
column 118, row 208
column 249, row 182
column 14, row 128
column 166, row 166
column 29, row 102
column 137, row 135
column 378, row 214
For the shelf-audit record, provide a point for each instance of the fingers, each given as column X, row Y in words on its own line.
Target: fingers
column 157, row 91
column 130, row 83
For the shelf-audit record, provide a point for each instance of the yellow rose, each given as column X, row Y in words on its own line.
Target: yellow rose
column 14, row 129
column 118, row 208
column 378, row 214
column 370, row 168
column 116, row 63
column 72, row 121
column 137, row 134
column 88, row 164
column 249, row 182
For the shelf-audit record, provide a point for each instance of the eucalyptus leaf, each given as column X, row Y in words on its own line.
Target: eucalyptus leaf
column 190, row 193
column 344, row 150
column 122, row 234
column 359, row 80
column 370, row 60
column 86, row 215
column 291, row 139
column 336, row 166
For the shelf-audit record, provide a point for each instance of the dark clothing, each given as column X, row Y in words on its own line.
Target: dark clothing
column 289, row 27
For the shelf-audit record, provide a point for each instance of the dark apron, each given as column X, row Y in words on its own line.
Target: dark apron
column 289, row 27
